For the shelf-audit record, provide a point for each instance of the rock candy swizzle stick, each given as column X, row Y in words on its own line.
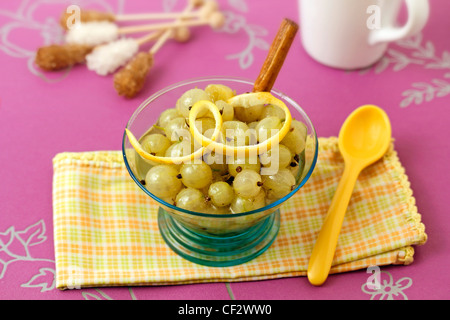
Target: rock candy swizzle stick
column 94, row 15
column 57, row 57
column 100, row 32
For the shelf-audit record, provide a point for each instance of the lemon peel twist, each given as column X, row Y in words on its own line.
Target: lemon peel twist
column 199, row 106
column 246, row 100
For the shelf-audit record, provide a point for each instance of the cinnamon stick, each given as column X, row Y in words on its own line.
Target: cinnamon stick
column 276, row 56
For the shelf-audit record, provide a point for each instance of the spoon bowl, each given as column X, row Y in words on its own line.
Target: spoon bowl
column 365, row 135
column 364, row 138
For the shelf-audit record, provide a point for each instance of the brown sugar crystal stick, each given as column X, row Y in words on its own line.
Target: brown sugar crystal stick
column 276, row 56
column 57, row 57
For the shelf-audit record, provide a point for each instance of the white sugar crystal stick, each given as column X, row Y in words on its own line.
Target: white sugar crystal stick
column 107, row 58
column 92, row 33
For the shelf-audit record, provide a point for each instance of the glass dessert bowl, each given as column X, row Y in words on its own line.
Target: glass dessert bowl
column 192, row 220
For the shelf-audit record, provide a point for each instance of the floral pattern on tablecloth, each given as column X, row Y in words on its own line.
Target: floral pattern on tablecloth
column 417, row 51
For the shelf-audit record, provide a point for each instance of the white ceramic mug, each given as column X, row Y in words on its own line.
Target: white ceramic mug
column 351, row 34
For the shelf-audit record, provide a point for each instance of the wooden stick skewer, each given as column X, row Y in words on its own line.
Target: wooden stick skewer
column 154, row 16
column 149, row 37
column 94, row 15
column 206, row 9
column 180, row 34
column 216, row 20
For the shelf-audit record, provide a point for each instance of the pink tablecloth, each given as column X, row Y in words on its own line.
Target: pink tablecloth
column 42, row 114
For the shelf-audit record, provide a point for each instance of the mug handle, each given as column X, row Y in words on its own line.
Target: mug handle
column 418, row 14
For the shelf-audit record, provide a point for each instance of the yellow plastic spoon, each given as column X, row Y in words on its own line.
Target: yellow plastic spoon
column 364, row 138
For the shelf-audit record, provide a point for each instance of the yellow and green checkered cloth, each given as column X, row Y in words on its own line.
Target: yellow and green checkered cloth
column 106, row 230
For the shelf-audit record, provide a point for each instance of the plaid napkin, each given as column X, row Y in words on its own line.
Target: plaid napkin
column 106, row 231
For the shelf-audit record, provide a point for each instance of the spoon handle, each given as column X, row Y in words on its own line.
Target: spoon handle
column 324, row 249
